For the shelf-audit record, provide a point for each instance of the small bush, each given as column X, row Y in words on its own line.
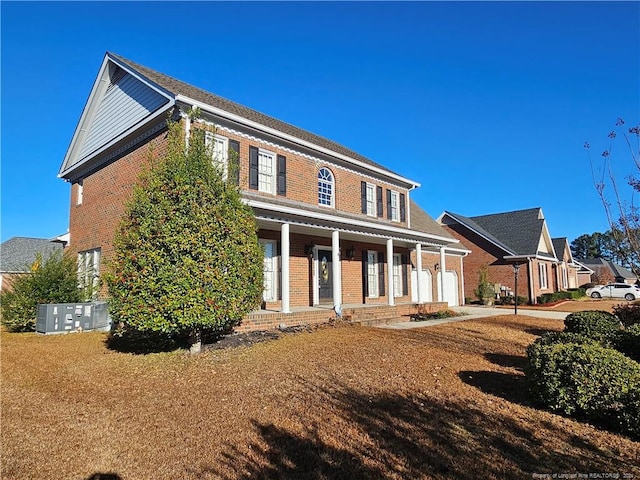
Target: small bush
column 627, row 341
column 421, row 316
column 588, row 381
column 628, row 313
column 595, row 324
column 573, row 294
column 509, row 300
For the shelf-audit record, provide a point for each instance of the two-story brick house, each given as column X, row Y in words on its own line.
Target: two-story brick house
column 501, row 240
column 338, row 229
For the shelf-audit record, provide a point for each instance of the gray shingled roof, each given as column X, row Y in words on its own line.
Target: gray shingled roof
column 18, row 253
column 178, row 87
column 559, row 245
column 422, row 222
column 616, row 270
column 517, row 232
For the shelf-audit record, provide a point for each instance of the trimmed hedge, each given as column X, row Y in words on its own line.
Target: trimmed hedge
column 627, row 341
column 628, row 313
column 572, row 294
column 595, row 324
column 586, row 380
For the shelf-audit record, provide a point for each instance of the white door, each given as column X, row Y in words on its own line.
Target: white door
column 450, row 288
column 426, row 286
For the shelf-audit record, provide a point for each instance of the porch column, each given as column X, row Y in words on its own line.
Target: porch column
column 392, row 300
column 443, row 268
column 284, row 250
column 335, row 269
column 419, row 275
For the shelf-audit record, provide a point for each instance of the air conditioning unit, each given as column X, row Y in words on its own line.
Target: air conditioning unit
column 72, row 317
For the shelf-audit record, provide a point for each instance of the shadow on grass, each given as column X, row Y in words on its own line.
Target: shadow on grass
column 513, row 361
column 512, row 387
column 372, row 436
column 104, row 476
column 129, row 340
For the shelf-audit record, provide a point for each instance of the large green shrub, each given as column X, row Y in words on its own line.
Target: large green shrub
column 595, row 324
column 50, row 280
column 588, row 381
column 627, row 341
column 628, row 313
column 187, row 256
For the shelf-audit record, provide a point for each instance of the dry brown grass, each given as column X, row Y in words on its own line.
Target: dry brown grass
column 339, row 403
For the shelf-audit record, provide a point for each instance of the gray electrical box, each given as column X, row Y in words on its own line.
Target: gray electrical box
column 72, row 317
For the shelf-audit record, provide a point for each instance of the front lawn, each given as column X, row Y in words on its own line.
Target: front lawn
column 338, row 403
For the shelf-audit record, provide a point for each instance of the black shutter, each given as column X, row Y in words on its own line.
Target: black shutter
column 234, row 161
column 388, row 204
column 381, row 281
column 403, row 208
column 363, row 197
column 405, row 275
column 365, row 275
column 253, row 168
column 282, row 175
column 379, row 199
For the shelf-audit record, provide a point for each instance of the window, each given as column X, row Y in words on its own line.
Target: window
column 397, row 275
column 265, row 171
column 371, row 200
column 542, row 269
column 89, row 272
column 80, row 192
column 565, row 277
column 325, row 187
column 219, row 152
column 372, row 274
column 270, row 293
column 394, row 211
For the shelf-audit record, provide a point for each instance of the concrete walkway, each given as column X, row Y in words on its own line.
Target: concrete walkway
column 471, row 312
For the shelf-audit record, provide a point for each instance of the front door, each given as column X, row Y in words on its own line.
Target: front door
column 325, row 277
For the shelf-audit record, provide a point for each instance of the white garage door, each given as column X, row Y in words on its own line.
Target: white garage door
column 425, row 285
column 450, row 288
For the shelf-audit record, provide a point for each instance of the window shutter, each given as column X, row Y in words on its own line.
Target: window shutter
column 363, row 197
column 282, row 175
column 234, row 161
column 381, row 280
column 253, row 168
column 365, row 275
column 403, row 208
column 388, row 204
column 405, row 275
column 379, row 200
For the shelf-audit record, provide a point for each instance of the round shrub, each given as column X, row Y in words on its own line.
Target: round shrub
column 627, row 341
column 628, row 313
column 588, row 381
column 595, row 324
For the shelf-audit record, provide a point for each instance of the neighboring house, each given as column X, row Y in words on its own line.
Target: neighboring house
column 502, row 240
column 18, row 254
column 605, row 271
column 338, row 229
column 584, row 273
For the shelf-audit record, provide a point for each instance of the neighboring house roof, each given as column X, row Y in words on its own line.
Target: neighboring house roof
column 18, row 253
column 616, row 270
column 517, row 233
column 170, row 90
column 422, row 222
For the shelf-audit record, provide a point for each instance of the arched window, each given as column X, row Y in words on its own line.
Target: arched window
column 325, row 187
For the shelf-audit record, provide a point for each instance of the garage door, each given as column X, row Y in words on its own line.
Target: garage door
column 425, row 286
column 450, row 288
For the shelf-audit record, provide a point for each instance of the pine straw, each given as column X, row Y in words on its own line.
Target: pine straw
column 337, row 403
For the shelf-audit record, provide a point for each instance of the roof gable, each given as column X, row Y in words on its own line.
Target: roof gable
column 119, row 102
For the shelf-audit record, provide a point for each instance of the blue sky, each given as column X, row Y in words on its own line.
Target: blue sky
column 487, row 105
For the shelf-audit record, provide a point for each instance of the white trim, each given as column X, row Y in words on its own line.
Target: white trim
column 291, row 138
column 349, row 221
column 284, row 259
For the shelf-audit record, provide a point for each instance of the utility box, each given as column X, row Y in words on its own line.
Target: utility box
column 72, row 317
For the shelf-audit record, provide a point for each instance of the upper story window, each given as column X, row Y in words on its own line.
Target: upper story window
column 219, row 146
column 266, row 178
column 396, row 206
column 325, row 187
column 267, row 171
column 371, row 199
column 80, row 192
column 542, row 269
column 394, row 210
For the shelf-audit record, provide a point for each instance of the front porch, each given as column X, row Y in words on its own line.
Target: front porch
column 367, row 315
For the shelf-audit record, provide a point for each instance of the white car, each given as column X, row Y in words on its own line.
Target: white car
column 615, row 290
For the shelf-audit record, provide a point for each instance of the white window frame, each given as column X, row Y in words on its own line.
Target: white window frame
column 219, row 146
column 395, row 206
column 397, row 275
column 565, row 277
column 266, row 171
column 89, row 271
column 542, row 272
column 80, row 192
column 270, row 291
column 326, row 189
column 372, row 274
column 371, row 199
